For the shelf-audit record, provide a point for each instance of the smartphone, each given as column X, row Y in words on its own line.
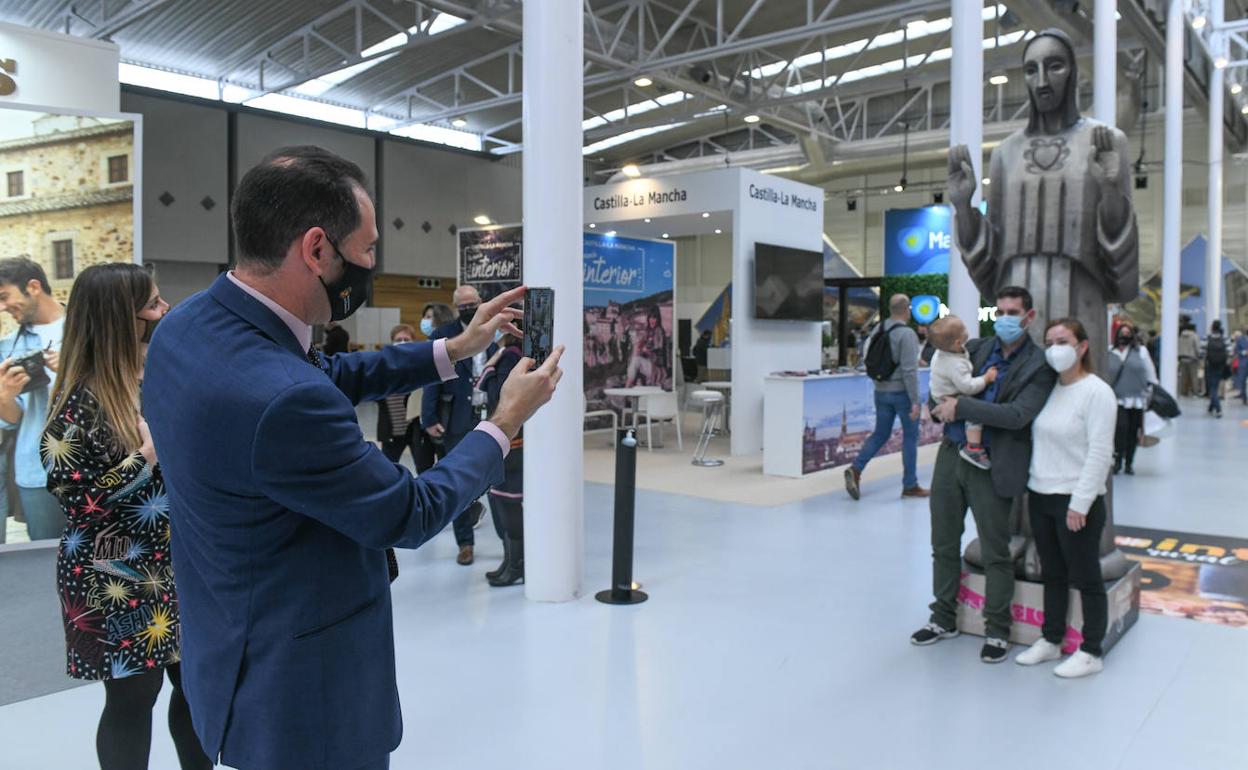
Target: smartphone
column 539, row 323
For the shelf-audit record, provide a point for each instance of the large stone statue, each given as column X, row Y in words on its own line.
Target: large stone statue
column 1059, row 222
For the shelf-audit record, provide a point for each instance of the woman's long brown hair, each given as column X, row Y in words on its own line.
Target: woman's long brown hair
column 100, row 350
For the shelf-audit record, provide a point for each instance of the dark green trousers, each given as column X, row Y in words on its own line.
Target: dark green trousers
column 956, row 486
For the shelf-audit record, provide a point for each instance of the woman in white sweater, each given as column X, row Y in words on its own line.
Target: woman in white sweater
column 1073, row 452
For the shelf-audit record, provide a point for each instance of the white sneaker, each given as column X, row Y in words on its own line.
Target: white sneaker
column 1040, row 652
column 1079, row 664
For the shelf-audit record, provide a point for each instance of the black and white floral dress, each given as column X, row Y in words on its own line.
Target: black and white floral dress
column 113, row 571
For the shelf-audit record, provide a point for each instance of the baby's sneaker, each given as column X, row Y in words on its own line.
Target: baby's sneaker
column 976, row 455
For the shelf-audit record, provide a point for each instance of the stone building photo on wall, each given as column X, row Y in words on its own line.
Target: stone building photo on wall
column 66, row 192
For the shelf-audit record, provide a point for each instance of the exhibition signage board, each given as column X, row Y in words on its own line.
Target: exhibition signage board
column 917, row 240
column 491, row 259
column 838, row 415
column 701, row 192
column 629, row 320
column 58, row 71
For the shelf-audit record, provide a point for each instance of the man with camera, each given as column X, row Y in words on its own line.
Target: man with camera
column 31, row 358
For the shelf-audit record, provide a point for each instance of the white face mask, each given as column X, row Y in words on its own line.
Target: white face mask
column 1061, row 357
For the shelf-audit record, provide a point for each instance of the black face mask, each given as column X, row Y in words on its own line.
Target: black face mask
column 149, row 328
column 466, row 316
column 350, row 292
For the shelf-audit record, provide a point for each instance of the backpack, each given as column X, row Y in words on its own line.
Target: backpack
column 1215, row 354
column 880, row 363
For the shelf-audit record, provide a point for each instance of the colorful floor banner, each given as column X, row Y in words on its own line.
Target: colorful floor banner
column 1199, row 577
column 629, row 296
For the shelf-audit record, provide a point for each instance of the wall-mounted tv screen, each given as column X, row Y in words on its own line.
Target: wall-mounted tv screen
column 788, row 283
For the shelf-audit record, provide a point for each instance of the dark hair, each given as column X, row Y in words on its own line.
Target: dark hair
column 442, row 313
column 1016, row 292
column 288, row 193
column 337, row 340
column 1070, row 100
column 1216, row 327
column 1131, row 331
column 20, row 271
column 1081, row 334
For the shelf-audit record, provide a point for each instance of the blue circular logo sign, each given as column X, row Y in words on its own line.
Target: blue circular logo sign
column 912, row 241
column 925, row 308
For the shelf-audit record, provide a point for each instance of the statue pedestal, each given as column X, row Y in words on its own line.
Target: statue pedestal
column 1028, row 608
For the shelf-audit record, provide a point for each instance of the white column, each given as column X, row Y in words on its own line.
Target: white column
column 1173, row 198
column 966, row 126
column 1105, row 61
column 553, row 179
column 1213, row 257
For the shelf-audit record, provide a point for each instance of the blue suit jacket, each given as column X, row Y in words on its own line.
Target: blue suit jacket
column 280, row 514
column 462, row 419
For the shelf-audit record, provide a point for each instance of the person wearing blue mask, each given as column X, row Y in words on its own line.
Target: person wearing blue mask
column 1005, row 409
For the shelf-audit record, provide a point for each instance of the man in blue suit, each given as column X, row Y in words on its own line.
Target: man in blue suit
column 281, row 511
column 452, row 409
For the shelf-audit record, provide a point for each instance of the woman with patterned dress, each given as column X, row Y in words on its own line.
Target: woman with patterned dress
column 114, row 576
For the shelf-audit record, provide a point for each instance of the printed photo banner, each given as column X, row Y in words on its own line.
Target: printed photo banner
column 1198, row 577
column 629, row 314
column 491, row 259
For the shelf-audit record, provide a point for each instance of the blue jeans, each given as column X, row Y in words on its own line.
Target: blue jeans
column 1213, row 384
column 45, row 519
column 889, row 406
column 1241, row 377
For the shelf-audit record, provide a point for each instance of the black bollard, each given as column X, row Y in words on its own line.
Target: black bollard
column 621, row 591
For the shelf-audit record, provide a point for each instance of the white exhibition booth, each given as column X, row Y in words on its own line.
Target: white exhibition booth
column 754, row 208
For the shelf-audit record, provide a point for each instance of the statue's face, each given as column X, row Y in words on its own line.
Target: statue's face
column 1046, row 68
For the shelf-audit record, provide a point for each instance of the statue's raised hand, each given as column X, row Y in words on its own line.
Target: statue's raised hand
column 1104, row 163
column 962, row 181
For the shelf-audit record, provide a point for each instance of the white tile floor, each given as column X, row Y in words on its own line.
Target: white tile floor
column 776, row 637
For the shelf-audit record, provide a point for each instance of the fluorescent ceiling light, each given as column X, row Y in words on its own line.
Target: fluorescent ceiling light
column 628, row 136
column 666, row 100
column 306, row 108
column 441, row 23
column 647, row 220
column 987, row 180
column 665, row 235
column 630, row 170
column 1236, row 88
column 897, row 65
column 459, row 122
column 1199, row 22
column 643, row 82
column 440, row 135
column 1220, row 62
column 718, row 231
column 914, row 31
column 751, row 118
column 610, row 233
column 161, row 80
column 898, row 188
column 482, row 220
column 706, row 214
column 999, row 79
column 318, row 86
column 592, row 226
column 1244, row 110
column 207, row 88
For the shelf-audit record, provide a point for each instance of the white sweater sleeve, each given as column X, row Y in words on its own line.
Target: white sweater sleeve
column 1102, row 418
column 962, row 375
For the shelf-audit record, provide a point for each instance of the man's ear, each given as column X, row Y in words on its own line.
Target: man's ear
column 315, row 251
column 33, row 287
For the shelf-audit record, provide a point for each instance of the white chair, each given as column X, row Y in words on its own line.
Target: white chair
column 615, row 419
column 661, row 408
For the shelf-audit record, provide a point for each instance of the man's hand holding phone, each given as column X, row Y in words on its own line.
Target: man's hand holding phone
column 525, row 391
column 493, row 316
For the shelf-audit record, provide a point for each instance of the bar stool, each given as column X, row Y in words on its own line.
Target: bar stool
column 712, row 407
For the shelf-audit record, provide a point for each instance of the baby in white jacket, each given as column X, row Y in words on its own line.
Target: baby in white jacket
column 953, row 375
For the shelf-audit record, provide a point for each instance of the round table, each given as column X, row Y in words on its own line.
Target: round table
column 632, row 396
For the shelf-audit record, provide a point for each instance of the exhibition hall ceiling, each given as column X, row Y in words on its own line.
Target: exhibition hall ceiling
column 665, row 80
